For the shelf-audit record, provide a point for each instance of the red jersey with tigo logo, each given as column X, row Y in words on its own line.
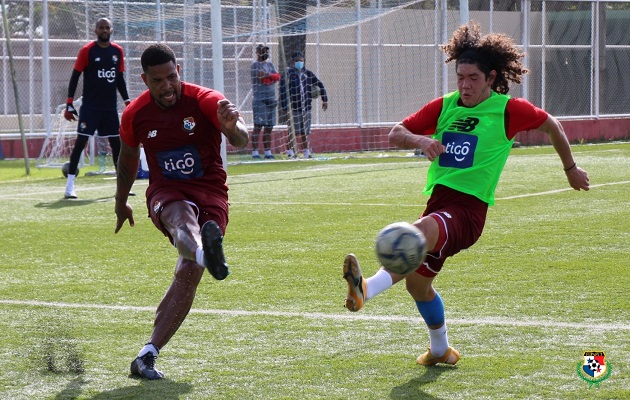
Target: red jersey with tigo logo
column 100, row 67
column 183, row 143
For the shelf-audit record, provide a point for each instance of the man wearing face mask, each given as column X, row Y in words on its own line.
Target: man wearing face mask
column 264, row 103
column 301, row 86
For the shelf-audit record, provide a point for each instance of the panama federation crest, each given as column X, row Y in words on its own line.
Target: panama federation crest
column 189, row 125
column 593, row 368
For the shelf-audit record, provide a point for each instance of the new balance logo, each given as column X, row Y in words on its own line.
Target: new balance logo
column 465, row 124
column 152, row 134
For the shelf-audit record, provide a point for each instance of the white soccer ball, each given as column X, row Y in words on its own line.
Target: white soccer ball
column 400, row 247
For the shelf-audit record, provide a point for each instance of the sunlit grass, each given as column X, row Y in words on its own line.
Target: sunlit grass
column 547, row 281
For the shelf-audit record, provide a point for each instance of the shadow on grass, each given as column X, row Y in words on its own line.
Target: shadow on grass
column 72, row 389
column 164, row 389
column 65, row 203
column 413, row 388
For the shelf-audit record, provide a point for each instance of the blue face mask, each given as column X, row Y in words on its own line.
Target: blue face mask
column 299, row 65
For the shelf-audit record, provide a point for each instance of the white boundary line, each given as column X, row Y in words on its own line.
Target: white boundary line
column 539, row 323
column 519, row 196
column 20, row 196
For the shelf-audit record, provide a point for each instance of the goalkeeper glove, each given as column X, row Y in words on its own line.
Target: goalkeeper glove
column 70, row 114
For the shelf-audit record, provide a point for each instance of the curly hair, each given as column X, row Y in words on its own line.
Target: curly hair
column 494, row 51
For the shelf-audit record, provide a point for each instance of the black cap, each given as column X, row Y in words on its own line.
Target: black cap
column 260, row 48
column 297, row 54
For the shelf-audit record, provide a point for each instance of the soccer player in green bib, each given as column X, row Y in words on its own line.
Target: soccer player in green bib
column 467, row 135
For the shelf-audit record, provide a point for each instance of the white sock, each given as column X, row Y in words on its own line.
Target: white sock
column 377, row 283
column 199, row 256
column 289, row 153
column 439, row 341
column 255, row 153
column 306, row 153
column 70, row 183
column 148, row 348
column 267, row 152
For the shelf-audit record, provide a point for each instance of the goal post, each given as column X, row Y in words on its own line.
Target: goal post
column 59, row 142
column 378, row 60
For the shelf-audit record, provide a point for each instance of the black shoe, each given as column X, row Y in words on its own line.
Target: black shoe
column 212, row 240
column 144, row 367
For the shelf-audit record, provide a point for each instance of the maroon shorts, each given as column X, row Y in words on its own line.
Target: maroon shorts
column 208, row 205
column 461, row 218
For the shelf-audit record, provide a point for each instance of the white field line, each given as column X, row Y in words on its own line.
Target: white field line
column 560, row 190
column 59, row 192
column 20, row 196
column 142, row 183
column 539, row 323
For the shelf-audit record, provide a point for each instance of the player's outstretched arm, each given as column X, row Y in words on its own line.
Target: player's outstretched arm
column 577, row 177
column 403, row 138
column 232, row 124
column 128, row 163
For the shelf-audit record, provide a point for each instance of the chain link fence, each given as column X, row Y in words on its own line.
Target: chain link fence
column 380, row 60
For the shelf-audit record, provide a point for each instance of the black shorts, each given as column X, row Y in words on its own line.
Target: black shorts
column 104, row 122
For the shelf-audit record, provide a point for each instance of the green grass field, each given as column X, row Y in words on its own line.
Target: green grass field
column 547, row 281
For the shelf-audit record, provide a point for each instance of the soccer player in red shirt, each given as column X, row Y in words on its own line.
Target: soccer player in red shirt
column 179, row 125
column 102, row 64
column 467, row 135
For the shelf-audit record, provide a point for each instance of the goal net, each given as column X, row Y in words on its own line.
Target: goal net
column 379, row 60
column 59, row 142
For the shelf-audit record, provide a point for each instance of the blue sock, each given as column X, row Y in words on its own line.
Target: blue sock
column 432, row 311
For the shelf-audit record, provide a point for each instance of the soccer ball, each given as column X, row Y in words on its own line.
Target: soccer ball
column 65, row 168
column 400, row 247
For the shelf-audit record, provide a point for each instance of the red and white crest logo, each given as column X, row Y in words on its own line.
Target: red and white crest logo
column 189, row 124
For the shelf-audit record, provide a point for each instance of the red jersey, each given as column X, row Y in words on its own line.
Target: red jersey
column 520, row 115
column 183, row 143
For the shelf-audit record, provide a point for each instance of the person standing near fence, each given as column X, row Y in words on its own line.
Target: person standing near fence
column 467, row 135
column 298, row 87
column 102, row 64
column 264, row 102
column 179, row 126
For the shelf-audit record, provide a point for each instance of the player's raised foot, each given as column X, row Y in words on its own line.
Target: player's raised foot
column 451, row 356
column 357, row 288
column 70, row 195
column 144, row 367
column 212, row 240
